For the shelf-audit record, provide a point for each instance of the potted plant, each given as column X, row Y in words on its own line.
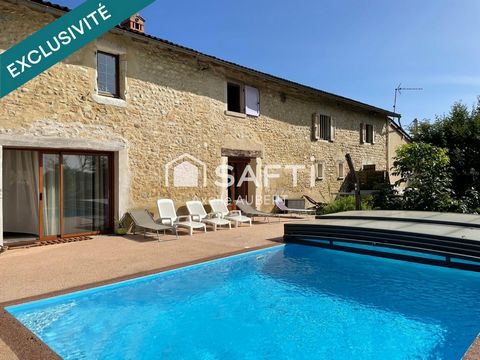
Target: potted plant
column 120, row 227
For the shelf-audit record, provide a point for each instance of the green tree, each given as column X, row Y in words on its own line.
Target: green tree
column 459, row 133
column 425, row 169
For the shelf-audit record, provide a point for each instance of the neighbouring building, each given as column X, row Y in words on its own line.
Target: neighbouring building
column 131, row 118
column 397, row 136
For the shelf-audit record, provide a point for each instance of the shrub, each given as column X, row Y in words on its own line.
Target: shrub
column 470, row 203
column 425, row 169
column 346, row 203
column 386, row 198
column 459, row 133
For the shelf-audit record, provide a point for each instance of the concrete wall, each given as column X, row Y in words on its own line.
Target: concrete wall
column 173, row 105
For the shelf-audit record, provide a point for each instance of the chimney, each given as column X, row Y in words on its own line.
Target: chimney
column 135, row 23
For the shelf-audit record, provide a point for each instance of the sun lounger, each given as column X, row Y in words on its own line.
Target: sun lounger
column 142, row 219
column 198, row 213
column 280, row 204
column 317, row 204
column 168, row 216
column 219, row 206
column 251, row 212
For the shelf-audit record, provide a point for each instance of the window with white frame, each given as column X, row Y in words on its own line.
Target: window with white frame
column 323, row 127
column 367, row 134
column 243, row 99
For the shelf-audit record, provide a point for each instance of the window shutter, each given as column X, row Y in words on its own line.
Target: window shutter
column 315, row 126
column 333, row 127
column 252, row 101
column 341, row 170
column 373, row 134
column 319, row 170
column 362, row 133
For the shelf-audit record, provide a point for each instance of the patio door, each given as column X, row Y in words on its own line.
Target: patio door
column 86, row 193
column 75, row 194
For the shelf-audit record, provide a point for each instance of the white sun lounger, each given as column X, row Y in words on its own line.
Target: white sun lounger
column 198, row 213
column 219, row 206
column 168, row 216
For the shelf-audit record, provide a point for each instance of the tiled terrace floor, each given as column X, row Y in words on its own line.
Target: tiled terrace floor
column 33, row 272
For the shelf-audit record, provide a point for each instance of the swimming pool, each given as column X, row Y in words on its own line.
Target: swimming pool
column 291, row 301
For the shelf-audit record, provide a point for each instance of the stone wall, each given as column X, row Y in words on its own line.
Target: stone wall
column 173, row 106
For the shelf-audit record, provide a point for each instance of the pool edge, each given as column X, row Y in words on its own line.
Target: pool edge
column 26, row 345
column 21, row 341
column 473, row 352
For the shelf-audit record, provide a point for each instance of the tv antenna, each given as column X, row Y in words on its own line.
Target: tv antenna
column 398, row 91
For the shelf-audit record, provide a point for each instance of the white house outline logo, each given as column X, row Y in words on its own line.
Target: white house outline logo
column 185, row 173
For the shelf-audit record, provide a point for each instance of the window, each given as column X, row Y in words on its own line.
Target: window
column 319, row 170
column 367, row 134
column 323, row 127
column 341, row 170
column 107, row 74
column 243, row 99
column 234, row 92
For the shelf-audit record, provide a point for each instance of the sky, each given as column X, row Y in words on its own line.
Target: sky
column 358, row 49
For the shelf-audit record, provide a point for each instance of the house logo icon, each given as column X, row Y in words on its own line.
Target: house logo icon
column 187, row 170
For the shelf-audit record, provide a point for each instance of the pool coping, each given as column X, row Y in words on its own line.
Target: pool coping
column 26, row 345
column 473, row 352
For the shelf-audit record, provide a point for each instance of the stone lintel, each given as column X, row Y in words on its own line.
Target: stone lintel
column 242, row 153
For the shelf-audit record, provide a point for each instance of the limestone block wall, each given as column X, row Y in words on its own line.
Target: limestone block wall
column 171, row 106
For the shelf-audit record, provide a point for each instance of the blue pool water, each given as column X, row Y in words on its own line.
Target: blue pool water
column 289, row 302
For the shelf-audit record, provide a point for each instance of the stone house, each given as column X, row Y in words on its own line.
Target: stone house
column 397, row 136
column 131, row 118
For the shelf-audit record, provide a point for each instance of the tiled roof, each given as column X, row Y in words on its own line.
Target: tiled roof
column 243, row 68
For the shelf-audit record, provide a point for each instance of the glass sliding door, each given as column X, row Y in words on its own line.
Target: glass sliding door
column 86, row 193
column 53, row 193
column 50, row 195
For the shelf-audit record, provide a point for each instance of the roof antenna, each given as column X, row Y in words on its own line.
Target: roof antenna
column 398, row 91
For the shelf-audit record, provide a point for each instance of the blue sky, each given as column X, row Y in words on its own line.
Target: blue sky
column 358, row 49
